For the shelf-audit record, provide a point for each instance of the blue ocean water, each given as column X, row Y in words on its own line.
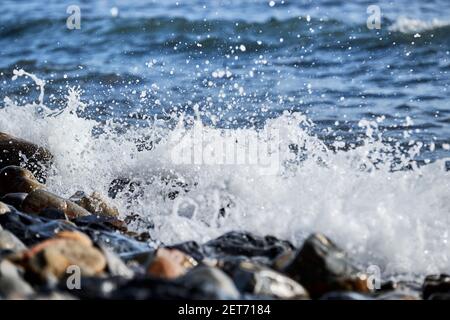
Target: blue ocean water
column 379, row 99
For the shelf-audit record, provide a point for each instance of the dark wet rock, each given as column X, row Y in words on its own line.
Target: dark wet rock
column 12, row 285
column 321, row 266
column 170, row 263
column 345, row 295
column 261, row 249
column 14, row 199
column 445, row 296
column 210, row 283
column 9, row 242
column 39, row 200
column 126, row 186
column 19, row 152
column 51, row 258
column 100, row 223
column 436, row 285
column 191, row 248
column 32, row 229
column 399, row 290
column 14, row 179
column 141, row 288
column 262, row 281
column 53, row 214
column 95, row 204
column 237, row 244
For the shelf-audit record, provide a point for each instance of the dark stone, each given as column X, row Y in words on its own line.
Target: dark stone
column 321, row 267
column 263, row 282
column 32, row 229
column 53, row 214
column 14, row 199
column 95, row 204
column 262, row 249
column 191, row 248
column 14, row 179
column 440, row 296
column 436, row 285
column 101, row 223
column 14, row 151
column 209, row 283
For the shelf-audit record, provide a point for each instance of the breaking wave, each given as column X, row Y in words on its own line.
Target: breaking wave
column 372, row 199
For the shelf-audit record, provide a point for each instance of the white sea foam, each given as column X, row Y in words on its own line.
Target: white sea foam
column 408, row 25
column 396, row 219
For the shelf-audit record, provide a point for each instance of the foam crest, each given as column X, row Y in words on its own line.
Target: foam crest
column 408, row 25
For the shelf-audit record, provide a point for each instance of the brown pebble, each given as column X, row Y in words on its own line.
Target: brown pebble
column 95, row 204
column 53, row 257
column 15, row 179
column 39, row 200
column 170, row 263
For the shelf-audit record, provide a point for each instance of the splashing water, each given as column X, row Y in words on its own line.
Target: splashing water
column 362, row 197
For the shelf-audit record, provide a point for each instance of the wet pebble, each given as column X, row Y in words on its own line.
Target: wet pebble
column 51, row 258
column 436, row 285
column 262, row 281
column 39, row 200
column 321, row 266
column 14, row 199
column 170, row 263
column 210, row 283
column 14, row 179
column 15, row 150
column 95, row 204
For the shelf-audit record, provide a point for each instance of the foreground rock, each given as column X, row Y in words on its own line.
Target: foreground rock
column 231, row 245
column 52, row 258
column 39, row 200
column 170, row 263
column 9, row 242
column 210, row 283
column 15, row 179
column 262, row 281
column 436, row 287
column 95, row 204
column 12, row 285
column 321, row 267
column 14, row 199
column 18, row 152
